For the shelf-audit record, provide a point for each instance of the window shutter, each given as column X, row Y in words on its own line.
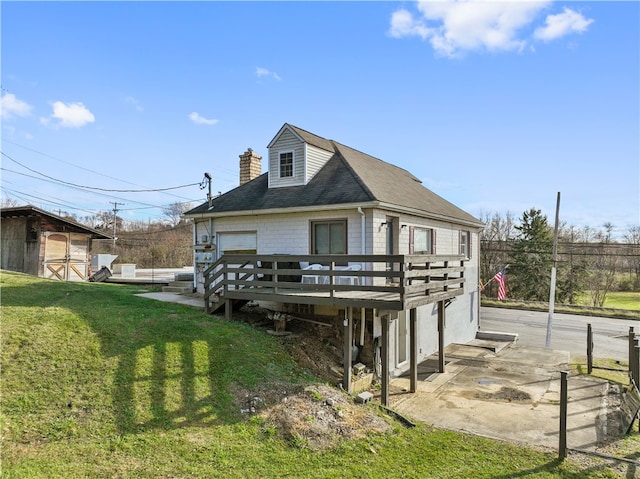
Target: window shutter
column 433, row 242
column 411, row 242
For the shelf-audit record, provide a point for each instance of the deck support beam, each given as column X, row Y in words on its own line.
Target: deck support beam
column 384, row 398
column 441, row 343
column 347, row 348
column 413, row 350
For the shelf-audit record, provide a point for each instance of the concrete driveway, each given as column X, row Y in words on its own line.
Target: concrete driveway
column 511, row 394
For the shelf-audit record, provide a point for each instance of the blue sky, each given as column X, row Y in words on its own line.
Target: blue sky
column 494, row 106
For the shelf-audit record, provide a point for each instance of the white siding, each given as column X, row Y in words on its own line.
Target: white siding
column 290, row 233
column 462, row 315
column 316, row 159
column 287, row 142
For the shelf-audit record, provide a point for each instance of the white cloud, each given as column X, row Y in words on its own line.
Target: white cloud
column 562, row 24
column 403, row 25
column 70, row 115
column 457, row 26
column 10, row 106
column 134, row 101
column 263, row 72
column 201, row 120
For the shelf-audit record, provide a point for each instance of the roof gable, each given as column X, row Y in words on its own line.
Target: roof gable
column 303, row 136
column 348, row 177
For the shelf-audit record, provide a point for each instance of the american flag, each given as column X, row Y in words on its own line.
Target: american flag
column 501, row 280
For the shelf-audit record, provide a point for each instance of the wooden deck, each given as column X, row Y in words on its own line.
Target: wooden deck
column 386, row 282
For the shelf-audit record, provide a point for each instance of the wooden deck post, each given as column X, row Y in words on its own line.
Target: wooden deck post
column 384, row 399
column 636, row 362
column 589, row 349
column 228, row 308
column 413, row 350
column 562, row 436
column 632, row 336
column 347, row 348
column 441, row 345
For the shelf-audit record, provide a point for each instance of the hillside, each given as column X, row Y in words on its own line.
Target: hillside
column 97, row 382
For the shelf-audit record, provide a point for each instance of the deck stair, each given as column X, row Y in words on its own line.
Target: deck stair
column 182, row 283
column 219, row 306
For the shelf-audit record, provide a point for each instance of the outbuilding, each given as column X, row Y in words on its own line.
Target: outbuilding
column 43, row 244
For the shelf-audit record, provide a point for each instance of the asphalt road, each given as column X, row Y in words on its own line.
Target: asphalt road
column 568, row 331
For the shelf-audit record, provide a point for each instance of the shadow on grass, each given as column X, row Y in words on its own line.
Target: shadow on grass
column 169, row 365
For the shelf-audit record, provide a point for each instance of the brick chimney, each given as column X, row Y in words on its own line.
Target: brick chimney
column 250, row 166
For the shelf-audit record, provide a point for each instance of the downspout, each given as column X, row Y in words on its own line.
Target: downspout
column 362, row 251
column 362, row 225
column 195, row 265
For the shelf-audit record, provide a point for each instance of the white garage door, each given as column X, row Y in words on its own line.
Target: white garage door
column 238, row 243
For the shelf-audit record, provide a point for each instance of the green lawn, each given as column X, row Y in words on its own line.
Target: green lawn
column 624, row 305
column 99, row 383
column 623, row 300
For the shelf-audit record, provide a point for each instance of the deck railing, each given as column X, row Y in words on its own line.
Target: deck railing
column 394, row 282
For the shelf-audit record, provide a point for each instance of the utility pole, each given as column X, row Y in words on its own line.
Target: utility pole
column 115, row 220
column 207, row 179
column 552, row 290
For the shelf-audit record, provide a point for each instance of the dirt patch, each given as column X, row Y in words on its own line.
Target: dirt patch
column 316, row 348
column 314, row 416
column 505, row 393
column 319, row 416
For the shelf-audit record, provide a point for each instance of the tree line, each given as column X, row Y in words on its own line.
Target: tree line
column 164, row 243
column 589, row 261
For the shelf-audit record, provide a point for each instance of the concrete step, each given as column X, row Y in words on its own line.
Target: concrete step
column 182, row 284
column 177, row 289
column 183, row 277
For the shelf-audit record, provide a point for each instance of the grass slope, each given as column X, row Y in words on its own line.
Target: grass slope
column 97, row 382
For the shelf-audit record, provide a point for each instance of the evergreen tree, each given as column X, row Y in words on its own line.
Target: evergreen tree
column 530, row 269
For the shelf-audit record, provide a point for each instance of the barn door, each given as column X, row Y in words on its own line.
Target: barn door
column 66, row 256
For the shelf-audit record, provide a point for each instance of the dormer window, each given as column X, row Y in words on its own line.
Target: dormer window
column 286, row 164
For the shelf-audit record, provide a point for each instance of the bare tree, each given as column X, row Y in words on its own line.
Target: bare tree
column 495, row 245
column 603, row 266
column 8, row 203
column 174, row 212
column 572, row 271
column 632, row 256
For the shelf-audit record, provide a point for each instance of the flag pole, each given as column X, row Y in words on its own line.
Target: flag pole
column 552, row 289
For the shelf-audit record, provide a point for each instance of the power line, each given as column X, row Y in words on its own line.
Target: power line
column 81, row 189
column 217, row 170
column 17, row 194
column 95, row 193
column 96, row 187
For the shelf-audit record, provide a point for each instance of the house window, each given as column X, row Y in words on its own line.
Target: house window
column 286, row 164
column 465, row 244
column 329, row 237
column 421, row 241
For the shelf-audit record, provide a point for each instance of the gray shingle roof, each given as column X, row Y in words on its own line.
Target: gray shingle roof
column 349, row 176
column 71, row 225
